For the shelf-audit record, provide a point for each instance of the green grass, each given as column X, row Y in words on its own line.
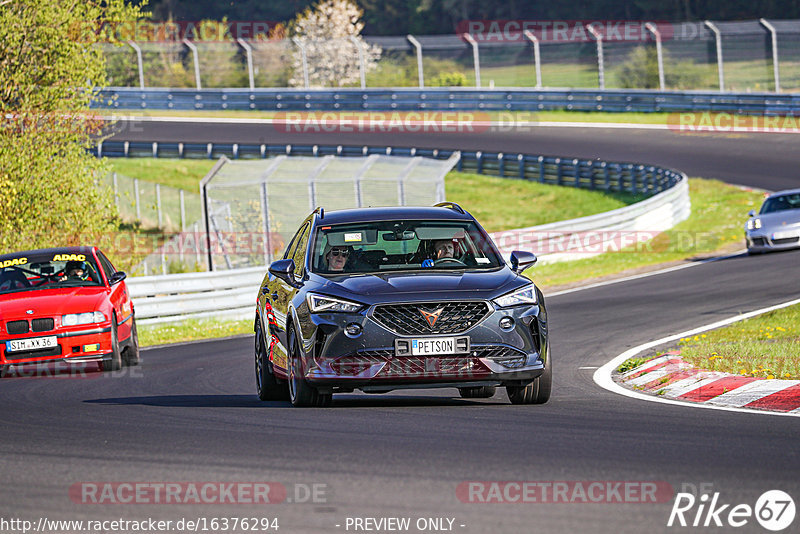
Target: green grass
column 178, row 173
column 192, row 330
column 718, row 213
column 518, row 204
column 767, row 346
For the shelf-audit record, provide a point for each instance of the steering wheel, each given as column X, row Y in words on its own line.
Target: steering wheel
column 443, row 261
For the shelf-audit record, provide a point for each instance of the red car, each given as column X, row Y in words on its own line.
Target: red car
column 65, row 304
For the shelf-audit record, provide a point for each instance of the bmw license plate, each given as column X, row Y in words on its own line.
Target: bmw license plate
column 33, row 343
column 433, row 347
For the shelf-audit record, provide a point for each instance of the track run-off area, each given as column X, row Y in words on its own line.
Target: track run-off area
column 189, row 413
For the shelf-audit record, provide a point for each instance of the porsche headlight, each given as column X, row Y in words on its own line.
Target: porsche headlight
column 73, row 319
column 754, row 224
column 321, row 303
column 526, row 295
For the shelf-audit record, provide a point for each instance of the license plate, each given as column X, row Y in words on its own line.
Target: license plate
column 33, row 343
column 433, row 347
column 783, row 235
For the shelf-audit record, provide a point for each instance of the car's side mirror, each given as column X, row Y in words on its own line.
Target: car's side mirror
column 521, row 260
column 751, row 213
column 117, row 277
column 284, row 270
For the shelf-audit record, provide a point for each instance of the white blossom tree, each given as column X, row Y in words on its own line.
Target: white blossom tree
column 330, row 32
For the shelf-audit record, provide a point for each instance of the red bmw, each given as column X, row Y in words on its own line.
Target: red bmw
column 65, row 304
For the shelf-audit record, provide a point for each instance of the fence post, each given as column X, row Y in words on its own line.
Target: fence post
column 416, row 44
column 362, row 68
column 775, row 70
column 478, row 162
column 248, row 50
column 136, row 199
column 139, row 62
column 541, row 169
column 657, row 34
column 158, row 205
column 501, row 164
column 476, row 59
column 720, row 67
column 116, row 189
column 193, row 48
column 265, row 216
column 601, row 76
column 537, row 60
column 302, row 48
column 521, row 161
column 559, row 172
column 606, row 176
column 183, row 210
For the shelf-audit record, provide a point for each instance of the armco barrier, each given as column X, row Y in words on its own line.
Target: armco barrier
column 231, row 294
column 445, row 99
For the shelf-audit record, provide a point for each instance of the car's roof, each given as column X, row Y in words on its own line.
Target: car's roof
column 397, row 213
column 45, row 251
column 784, row 192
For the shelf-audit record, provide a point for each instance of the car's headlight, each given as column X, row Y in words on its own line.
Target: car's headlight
column 526, row 295
column 72, row 319
column 321, row 303
column 754, row 224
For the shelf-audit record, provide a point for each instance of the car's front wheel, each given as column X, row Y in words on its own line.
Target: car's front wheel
column 537, row 392
column 479, row 392
column 115, row 362
column 301, row 393
column 266, row 384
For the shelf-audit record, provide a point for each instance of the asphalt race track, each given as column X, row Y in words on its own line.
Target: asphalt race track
column 189, row 412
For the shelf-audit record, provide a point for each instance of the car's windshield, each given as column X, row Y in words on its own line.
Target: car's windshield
column 781, row 203
column 27, row 271
column 402, row 245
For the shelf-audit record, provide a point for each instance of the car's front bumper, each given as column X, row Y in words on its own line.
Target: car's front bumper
column 497, row 356
column 89, row 343
column 764, row 241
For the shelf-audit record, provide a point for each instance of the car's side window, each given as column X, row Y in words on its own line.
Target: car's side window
column 293, row 243
column 105, row 264
column 299, row 255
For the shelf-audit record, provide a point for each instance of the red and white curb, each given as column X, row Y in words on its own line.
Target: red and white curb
column 687, row 386
column 671, row 377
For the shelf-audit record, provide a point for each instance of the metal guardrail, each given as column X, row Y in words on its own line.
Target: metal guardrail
column 448, row 99
column 231, row 294
column 590, row 174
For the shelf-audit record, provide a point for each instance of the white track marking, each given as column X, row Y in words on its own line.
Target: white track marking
column 602, row 377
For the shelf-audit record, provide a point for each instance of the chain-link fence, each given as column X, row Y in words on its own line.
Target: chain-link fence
column 673, row 56
column 252, row 208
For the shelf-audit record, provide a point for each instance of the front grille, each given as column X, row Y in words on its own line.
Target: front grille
column 407, row 320
column 784, row 241
column 759, row 241
column 502, row 354
column 427, row 367
column 17, row 327
column 42, row 353
column 42, row 325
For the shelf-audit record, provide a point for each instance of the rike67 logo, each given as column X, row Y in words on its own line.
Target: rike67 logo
column 774, row 510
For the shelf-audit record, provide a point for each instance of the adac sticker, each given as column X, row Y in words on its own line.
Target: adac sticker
column 15, row 261
column 354, row 237
column 69, row 257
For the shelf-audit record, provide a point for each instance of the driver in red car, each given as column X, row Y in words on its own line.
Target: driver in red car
column 75, row 270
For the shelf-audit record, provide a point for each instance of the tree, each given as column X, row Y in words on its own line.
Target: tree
column 328, row 31
column 49, row 72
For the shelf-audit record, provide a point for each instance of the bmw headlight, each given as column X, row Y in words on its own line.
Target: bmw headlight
column 754, row 224
column 73, row 319
column 526, row 295
column 321, row 303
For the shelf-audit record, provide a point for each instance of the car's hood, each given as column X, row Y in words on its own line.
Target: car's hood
column 425, row 285
column 777, row 219
column 50, row 302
